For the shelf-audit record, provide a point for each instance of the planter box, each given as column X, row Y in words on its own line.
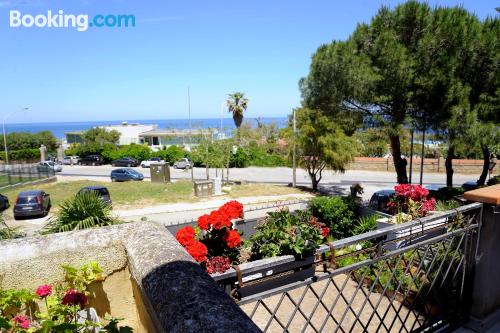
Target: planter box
column 423, row 232
column 262, row 275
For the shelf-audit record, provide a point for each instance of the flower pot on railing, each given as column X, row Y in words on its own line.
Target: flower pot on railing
column 259, row 276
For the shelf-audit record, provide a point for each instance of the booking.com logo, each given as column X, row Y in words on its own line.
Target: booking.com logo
column 80, row 22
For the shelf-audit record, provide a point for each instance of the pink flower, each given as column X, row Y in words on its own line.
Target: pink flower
column 22, row 321
column 74, row 297
column 44, row 290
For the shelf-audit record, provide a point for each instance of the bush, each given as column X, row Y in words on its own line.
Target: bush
column 365, row 224
column 22, row 155
column 240, row 159
column 171, row 154
column 139, row 152
column 338, row 213
column 83, row 211
column 447, row 193
column 285, row 233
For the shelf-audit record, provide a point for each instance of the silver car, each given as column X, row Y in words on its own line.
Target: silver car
column 49, row 165
column 183, row 163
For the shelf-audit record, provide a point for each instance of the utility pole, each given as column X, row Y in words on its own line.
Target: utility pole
column 294, row 158
column 190, row 139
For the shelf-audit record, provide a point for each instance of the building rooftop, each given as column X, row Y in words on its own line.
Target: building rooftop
column 173, row 132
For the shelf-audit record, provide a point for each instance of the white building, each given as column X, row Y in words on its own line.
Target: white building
column 129, row 133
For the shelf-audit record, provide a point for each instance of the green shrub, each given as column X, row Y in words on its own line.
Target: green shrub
column 338, row 213
column 83, row 211
column 240, row 159
column 139, row 152
column 171, row 154
column 494, row 180
column 365, row 224
column 285, row 233
column 445, row 205
column 447, row 193
column 22, row 155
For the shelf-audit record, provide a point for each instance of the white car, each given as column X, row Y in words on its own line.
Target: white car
column 147, row 164
column 183, row 163
column 70, row 160
column 50, row 165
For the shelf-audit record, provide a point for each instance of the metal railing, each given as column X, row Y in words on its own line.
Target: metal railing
column 410, row 277
column 22, row 173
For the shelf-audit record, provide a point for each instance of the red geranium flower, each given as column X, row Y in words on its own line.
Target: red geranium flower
column 185, row 236
column 204, row 222
column 198, row 251
column 325, row 231
column 22, row 321
column 44, row 290
column 74, row 297
column 219, row 220
column 232, row 239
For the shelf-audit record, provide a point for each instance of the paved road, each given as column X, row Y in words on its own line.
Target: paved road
column 280, row 175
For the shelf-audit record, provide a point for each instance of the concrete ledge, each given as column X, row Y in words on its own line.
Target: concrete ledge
column 488, row 195
column 178, row 295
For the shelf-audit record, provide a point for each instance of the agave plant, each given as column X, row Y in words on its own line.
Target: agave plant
column 85, row 210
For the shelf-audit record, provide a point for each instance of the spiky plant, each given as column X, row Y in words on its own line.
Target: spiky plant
column 83, row 211
column 7, row 232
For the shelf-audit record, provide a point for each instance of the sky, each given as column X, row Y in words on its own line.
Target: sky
column 214, row 47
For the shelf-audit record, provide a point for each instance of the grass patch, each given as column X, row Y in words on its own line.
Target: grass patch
column 124, row 195
column 139, row 194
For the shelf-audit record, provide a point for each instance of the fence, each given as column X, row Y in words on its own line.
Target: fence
column 23, row 173
column 405, row 278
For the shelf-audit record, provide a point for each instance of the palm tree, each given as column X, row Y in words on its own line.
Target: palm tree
column 237, row 103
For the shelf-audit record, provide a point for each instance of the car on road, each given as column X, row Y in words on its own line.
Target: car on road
column 152, row 160
column 183, row 163
column 4, row 202
column 32, row 203
column 470, row 185
column 91, row 160
column 125, row 162
column 125, row 174
column 380, row 199
column 70, row 160
column 101, row 191
column 49, row 165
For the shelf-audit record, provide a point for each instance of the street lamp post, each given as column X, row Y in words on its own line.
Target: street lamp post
column 294, row 158
column 5, row 135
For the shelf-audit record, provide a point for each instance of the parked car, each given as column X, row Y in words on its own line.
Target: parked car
column 32, row 203
column 70, row 160
column 91, row 160
column 470, row 185
column 125, row 162
column 125, row 174
column 49, row 165
column 380, row 199
column 147, row 163
column 183, row 163
column 101, row 191
column 4, row 202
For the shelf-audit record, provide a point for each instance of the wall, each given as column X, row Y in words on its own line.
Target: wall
column 430, row 165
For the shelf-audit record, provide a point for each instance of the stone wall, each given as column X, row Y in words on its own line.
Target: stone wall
column 430, row 165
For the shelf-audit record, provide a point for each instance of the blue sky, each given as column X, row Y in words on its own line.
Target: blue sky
column 216, row 47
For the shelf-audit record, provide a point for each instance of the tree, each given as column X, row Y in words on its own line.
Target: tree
column 101, row 136
column 321, row 144
column 237, row 104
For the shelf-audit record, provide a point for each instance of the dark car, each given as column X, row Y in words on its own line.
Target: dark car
column 32, row 203
column 91, row 160
column 380, row 199
column 101, row 191
column 125, row 174
column 469, row 186
column 125, row 162
column 4, row 202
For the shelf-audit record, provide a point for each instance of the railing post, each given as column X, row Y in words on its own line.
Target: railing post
column 485, row 289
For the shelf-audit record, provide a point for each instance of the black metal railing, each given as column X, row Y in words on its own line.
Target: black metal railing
column 23, row 173
column 405, row 278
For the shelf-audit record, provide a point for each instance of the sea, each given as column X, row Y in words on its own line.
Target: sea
column 59, row 128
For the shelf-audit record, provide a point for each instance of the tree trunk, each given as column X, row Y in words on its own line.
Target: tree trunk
column 399, row 163
column 314, row 182
column 238, row 119
column 486, row 166
column 448, row 163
